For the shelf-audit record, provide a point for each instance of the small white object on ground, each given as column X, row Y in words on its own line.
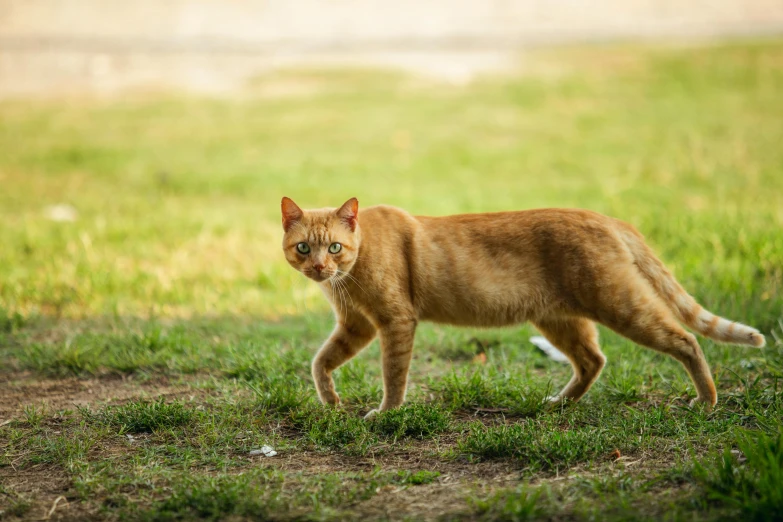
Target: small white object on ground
column 62, row 213
column 548, row 348
column 267, row 451
column 740, row 457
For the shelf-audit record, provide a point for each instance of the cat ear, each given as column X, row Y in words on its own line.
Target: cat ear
column 291, row 213
column 349, row 213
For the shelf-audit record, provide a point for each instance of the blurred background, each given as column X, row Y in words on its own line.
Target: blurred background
column 56, row 46
column 145, row 146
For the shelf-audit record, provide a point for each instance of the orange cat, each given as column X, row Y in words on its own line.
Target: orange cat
column 384, row 270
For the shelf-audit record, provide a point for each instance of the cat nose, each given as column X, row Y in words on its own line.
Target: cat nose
column 318, row 268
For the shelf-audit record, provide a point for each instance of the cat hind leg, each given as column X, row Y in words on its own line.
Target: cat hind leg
column 650, row 323
column 577, row 338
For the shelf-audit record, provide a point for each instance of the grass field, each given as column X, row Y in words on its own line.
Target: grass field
column 148, row 346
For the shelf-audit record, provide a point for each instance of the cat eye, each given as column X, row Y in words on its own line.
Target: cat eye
column 303, row 248
column 334, row 248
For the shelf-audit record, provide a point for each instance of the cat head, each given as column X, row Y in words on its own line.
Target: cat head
column 323, row 243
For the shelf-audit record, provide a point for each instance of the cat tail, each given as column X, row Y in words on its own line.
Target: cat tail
column 684, row 305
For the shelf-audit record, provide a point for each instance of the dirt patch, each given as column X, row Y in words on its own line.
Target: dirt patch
column 40, row 492
column 416, row 457
column 427, row 502
column 20, row 390
column 446, row 496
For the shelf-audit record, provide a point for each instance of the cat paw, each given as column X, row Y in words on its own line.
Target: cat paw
column 555, row 401
column 371, row 414
column 331, row 399
column 703, row 404
column 552, row 401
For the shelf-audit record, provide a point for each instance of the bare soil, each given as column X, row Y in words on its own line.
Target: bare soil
column 22, row 389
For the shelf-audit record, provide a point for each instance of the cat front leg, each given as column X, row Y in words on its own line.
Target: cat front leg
column 396, row 351
column 349, row 337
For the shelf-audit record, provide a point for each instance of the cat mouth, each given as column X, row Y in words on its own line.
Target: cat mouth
column 319, row 277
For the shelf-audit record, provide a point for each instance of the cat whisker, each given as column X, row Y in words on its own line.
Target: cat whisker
column 334, row 294
column 342, row 297
column 345, row 287
column 342, row 304
column 337, row 283
column 356, row 281
column 331, row 284
column 342, row 273
column 346, row 294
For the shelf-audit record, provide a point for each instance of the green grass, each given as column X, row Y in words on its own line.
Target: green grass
column 147, row 348
column 753, row 486
column 147, row 416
